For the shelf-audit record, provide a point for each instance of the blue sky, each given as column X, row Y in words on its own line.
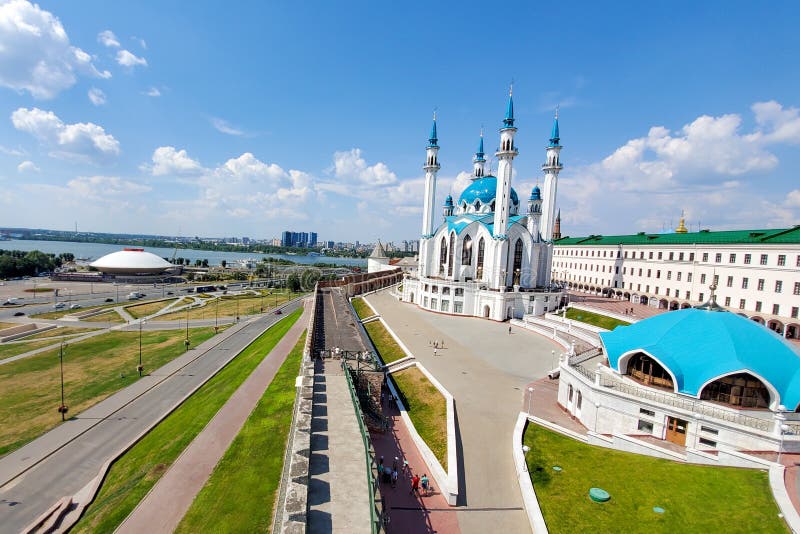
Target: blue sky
column 221, row 119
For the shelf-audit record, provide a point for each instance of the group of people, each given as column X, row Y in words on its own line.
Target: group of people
column 420, row 485
column 628, row 311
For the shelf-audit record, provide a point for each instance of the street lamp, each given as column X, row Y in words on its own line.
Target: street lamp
column 140, row 368
column 553, row 359
column 62, row 409
column 186, row 341
column 530, row 400
column 216, row 316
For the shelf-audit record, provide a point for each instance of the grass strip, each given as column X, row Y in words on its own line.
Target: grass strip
column 133, row 474
column 596, row 319
column 388, row 349
column 240, row 494
column 427, row 409
column 60, row 331
column 230, row 306
column 110, row 316
column 362, row 308
column 695, row 498
column 148, row 308
column 58, row 314
column 13, row 348
column 94, row 368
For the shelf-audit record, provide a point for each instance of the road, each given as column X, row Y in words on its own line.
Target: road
column 67, row 458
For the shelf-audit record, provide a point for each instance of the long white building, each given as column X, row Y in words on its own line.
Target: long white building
column 757, row 272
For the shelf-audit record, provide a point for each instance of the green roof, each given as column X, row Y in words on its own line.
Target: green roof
column 704, row 237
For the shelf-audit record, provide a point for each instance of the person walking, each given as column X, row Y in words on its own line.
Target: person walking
column 425, row 484
column 434, row 352
column 394, row 478
column 509, row 330
column 414, row 485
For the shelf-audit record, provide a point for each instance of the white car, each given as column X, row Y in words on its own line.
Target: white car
column 74, row 306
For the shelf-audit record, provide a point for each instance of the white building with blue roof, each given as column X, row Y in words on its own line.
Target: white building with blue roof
column 489, row 257
column 702, row 378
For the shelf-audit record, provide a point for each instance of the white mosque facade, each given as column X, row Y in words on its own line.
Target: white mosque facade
column 490, row 256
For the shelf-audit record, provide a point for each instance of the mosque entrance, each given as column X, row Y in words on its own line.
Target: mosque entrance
column 676, row 431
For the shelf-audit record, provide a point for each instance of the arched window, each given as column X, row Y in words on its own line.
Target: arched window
column 479, row 268
column 442, row 255
column 645, row 369
column 491, row 208
column 450, row 255
column 466, row 251
column 477, row 205
column 517, row 261
column 741, row 390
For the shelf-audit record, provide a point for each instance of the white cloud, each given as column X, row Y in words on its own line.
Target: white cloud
column 97, row 96
column 35, row 52
column 167, row 160
column 778, row 125
column 128, row 59
column 225, row 127
column 18, row 152
column 793, row 199
column 153, row 91
column 349, row 165
column 84, row 141
column 107, row 38
column 96, row 187
column 27, row 166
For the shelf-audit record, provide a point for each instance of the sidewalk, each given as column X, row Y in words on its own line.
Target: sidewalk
column 410, row 513
column 168, row 501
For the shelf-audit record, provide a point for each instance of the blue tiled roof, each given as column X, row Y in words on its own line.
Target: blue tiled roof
column 699, row 346
column 484, row 190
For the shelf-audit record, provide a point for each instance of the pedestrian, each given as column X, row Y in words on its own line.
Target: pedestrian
column 394, row 463
column 435, row 345
column 425, row 483
column 434, row 352
column 394, row 478
column 509, row 330
column 406, row 467
column 442, row 345
column 414, row 485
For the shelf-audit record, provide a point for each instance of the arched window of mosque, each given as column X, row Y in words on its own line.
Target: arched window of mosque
column 517, row 260
column 450, row 256
column 479, row 268
column 466, row 251
column 442, row 255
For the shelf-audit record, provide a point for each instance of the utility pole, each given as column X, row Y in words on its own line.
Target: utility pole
column 62, row 409
column 140, row 368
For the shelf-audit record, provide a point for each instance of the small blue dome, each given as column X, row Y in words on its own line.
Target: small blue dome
column 448, row 201
column 536, row 193
column 484, row 189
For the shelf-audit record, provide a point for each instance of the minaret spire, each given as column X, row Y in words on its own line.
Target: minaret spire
column 508, row 122
column 500, row 278
column 551, row 168
column 479, row 161
column 431, row 168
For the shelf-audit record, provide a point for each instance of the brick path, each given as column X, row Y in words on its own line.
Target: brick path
column 167, row 502
column 640, row 311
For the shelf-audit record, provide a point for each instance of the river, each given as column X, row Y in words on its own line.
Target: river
column 93, row 251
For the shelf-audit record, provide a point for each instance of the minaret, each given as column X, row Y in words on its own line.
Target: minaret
column 479, row 161
column 431, row 167
column 505, row 157
column 557, row 227
column 535, row 212
column 447, row 211
column 551, row 169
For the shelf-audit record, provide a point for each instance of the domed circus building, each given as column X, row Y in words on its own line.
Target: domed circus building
column 134, row 263
column 703, row 378
column 490, row 256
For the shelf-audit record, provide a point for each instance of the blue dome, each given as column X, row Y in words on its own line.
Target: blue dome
column 448, row 201
column 697, row 346
column 484, row 190
column 536, row 193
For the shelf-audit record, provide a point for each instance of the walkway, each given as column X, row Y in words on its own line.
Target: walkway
column 168, row 501
column 640, row 311
column 64, row 460
column 486, row 369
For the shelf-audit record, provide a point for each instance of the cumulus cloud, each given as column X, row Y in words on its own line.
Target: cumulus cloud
column 27, row 166
column 97, row 187
column 97, row 96
column 84, row 141
column 169, row 161
column 153, row 91
column 107, row 38
column 225, row 127
column 36, row 54
column 793, row 199
column 130, row 60
column 12, row 151
column 350, row 165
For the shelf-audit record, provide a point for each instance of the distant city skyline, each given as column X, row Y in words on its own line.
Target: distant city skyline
column 194, row 120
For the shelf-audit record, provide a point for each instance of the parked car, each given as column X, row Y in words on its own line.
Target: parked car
column 19, row 314
column 169, row 292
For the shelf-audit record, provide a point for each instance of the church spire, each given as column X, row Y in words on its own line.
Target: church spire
column 508, row 122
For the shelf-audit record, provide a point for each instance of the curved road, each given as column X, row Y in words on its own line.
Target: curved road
column 68, row 457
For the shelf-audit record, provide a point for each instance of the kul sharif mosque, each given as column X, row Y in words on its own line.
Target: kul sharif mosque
column 490, row 257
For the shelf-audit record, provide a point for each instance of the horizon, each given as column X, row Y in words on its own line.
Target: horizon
column 153, row 119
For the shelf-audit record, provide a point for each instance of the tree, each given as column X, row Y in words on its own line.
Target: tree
column 224, row 263
column 293, row 282
column 204, row 263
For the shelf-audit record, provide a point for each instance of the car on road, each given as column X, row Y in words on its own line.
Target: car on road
column 58, row 305
column 278, row 312
column 109, row 299
column 74, row 306
column 169, row 292
column 19, row 314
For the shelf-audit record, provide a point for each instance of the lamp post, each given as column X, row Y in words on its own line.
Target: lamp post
column 216, row 316
column 530, row 400
column 62, row 409
column 237, row 306
column 553, row 359
column 186, row 341
column 140, row 368
column 596, row 415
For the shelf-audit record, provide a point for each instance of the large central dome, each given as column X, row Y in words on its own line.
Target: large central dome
column 483, row 190
column 131, row 261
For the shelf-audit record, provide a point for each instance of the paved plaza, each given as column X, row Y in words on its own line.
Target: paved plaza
column 487, row 370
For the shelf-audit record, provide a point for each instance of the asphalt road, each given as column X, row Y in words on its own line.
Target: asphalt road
column 72, row 454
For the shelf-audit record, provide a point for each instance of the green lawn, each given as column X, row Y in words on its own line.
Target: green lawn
column 427, row 409
column 240, row 494
column 132, row 476
column 388, row 349
column 696, row 498
column 147, row 308
column 596, row 319
column 362, row 308
column 93, row 369
column 9, row 349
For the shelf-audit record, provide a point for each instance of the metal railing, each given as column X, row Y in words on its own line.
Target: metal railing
column 378, row 516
